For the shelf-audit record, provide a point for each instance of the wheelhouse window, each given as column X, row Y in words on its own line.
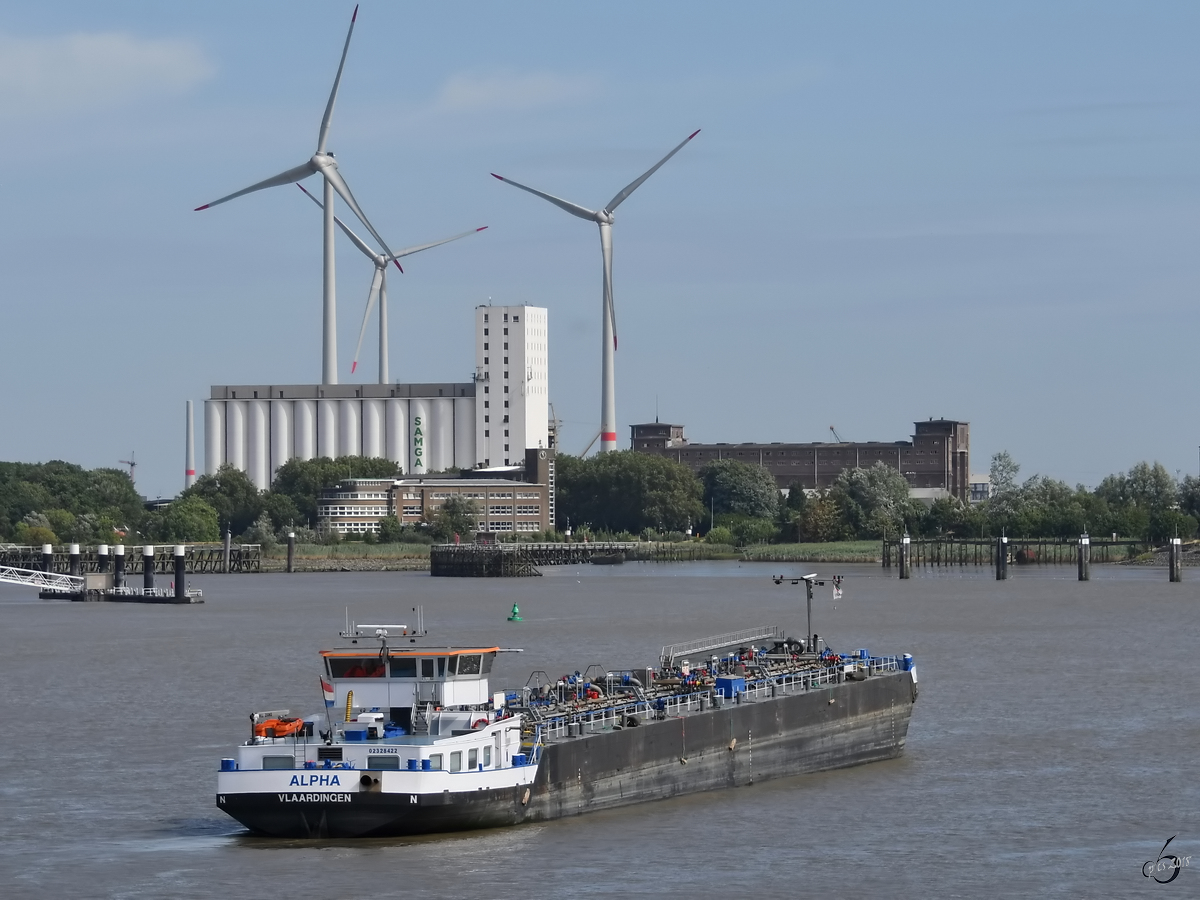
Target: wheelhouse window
column 469, row 664
column 355, row 667
column 404, row 667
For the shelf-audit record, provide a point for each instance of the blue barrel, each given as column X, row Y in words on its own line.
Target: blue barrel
column 907, row 664
column 229, row 765
column 426, row 766
column 863, row 654
column 412, row 765
column 518, row 759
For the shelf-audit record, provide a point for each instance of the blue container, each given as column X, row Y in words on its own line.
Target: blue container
column 413, row 764
column 426, row 766
column 907, row 664
column 357, row 735
column 229, row 765
column 519, row 759
column 730, row 686
column 863, row 654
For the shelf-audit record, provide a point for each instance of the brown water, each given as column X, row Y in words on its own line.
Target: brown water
column 1053, row 749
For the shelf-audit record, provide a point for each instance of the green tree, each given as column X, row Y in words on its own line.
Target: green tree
column 390, row 530
column 871, row 501
column 232, row 494
column 302, row 480
column 457, row 515
column 188, row 519
column 732, row 486
column 282, row 510
column 33, row 535
column 627, row 491
column 822, row 521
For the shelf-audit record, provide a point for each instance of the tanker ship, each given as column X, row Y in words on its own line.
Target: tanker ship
column 414, row 741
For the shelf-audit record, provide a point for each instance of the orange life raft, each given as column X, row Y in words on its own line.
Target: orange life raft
column 278, row 727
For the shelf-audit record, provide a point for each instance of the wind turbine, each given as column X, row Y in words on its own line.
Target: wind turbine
column 604, row 218
column 322, row 163
column 379, row 284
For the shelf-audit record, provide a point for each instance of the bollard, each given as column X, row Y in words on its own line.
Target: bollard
column 1002, row 559
column 905, row 557
column 47, row 557
column 1175, row 560
column 1085, row 558
column 148, row 567
column 102, row 558
column 291, row 565
column 119, row 566
column 225, row 564
column 180, row 574
column 75, row 568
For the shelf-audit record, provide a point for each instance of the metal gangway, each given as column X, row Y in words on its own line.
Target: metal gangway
column 51, row 581
column 718, row 642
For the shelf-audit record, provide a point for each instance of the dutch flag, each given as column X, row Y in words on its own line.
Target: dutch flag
column 327, row 690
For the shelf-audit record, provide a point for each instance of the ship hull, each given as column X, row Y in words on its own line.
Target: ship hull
column 827, row 728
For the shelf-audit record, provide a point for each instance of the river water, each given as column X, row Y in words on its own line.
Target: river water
column 1053, row 748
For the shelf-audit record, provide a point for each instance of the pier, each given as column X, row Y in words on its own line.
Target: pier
column 503, row 560
column 198, row 559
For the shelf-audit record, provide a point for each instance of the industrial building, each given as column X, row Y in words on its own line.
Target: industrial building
column 936, row 462
column 423, row 428
column 512, row 499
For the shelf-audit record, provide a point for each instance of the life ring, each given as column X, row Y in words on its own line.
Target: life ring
column 480, row 723
column 278, row 727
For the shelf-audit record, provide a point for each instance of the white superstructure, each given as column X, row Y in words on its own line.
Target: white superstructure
column 512, row 383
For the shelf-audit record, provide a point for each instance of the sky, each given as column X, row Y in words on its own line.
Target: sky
column 985, row 212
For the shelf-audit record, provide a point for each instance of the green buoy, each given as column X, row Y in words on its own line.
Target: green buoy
column 515, row 616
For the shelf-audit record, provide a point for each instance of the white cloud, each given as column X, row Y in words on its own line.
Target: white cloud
column 94, row 71
column 505, row 90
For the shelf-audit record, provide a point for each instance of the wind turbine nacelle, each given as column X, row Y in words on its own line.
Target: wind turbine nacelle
column 604, row 217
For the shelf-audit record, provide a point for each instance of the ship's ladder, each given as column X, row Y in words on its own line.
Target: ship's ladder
column 420, row 718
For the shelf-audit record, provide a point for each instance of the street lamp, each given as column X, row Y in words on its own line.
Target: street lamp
column 809, row 581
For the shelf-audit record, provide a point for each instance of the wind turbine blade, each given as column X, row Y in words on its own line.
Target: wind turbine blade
column 328, row 117
column 354, row 238
column 343, row 189
column 282, row 178
column 633, row 186
column 411, row 250
column 375, row 282
column 574, row 210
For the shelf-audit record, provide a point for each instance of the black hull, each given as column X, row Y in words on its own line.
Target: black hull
column 738, row 744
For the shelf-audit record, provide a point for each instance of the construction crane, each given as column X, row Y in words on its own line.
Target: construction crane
column 132, row 463
column 837, row 437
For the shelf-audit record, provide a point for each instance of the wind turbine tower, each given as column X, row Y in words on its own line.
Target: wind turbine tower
column 604, row 218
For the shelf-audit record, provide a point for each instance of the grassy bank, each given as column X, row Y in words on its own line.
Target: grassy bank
column 834, row 551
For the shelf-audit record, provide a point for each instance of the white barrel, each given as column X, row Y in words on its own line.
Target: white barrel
column 464, row 432
column 372, row 427
column 281, row 434
column 350, row 427
column 304, row 429
column 396, row 437
column 441, row 447
column 418, row 433
column 235, row 433
column 258, row 443
column 214, row 436
column 327, row 428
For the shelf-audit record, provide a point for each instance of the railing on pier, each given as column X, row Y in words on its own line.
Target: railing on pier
column 48, row 581
column 518, row 558
column 198, row 558
column 942, row 552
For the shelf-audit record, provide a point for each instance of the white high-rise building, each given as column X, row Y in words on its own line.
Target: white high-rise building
column 512, row 405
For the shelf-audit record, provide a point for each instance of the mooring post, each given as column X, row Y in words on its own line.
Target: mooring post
column 180, row 573
column 102, row 558
column 291, row 565
column 225, row 558
column 75, row 568
column 148, row 567
column 1085, row 558
column 119, row 566
column 47, row 557
column 905, row 557
column 1002, row 559
column 1175, row 559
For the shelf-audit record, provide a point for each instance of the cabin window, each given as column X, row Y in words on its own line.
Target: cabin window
column 383, row 761
column 404, row 667
column 435, row 760
column 355, row 667
column 441, row 667
column 472, row 759
column 427, row 668
column 456, row 761
column 487, row 755
column 279, row 762
column 469, row 664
